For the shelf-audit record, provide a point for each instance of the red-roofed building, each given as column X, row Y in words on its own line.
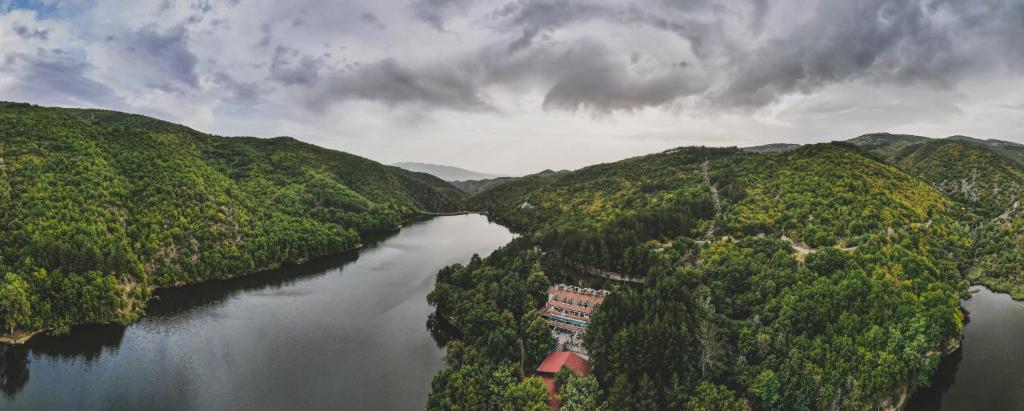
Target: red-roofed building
column 569, row 308
column 553, row 363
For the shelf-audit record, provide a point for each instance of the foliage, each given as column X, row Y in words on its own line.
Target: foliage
column 98, row 207
column 812, row 278
column 493, row 304
column 530, row 394
column 974, row 175
column 581, row 393
column 15, row 309
column 711, row 397
column 986, row 179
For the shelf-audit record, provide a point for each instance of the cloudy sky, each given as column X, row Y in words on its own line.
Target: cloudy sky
column 520, row 86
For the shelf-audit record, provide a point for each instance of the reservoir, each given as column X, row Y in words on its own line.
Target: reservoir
column 343, row 332
column 987, row 373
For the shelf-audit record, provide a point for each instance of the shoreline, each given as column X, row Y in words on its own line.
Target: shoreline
column 19, row 338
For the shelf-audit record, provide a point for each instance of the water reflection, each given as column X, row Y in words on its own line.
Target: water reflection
column 182, row 300
column 441, row 329
column 930, row 398
column 343, row 332
column 85, row 343
column 13, row 369
column 987, row 372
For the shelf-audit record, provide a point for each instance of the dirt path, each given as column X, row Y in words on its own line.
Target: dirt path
column 613, row 276
column 803, row 250
column 714, row 197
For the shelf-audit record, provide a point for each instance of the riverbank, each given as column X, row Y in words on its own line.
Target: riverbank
column 987, row 370
column 21, row 337
column 346, row 331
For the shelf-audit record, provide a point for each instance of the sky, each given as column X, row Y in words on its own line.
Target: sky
column 516, row 87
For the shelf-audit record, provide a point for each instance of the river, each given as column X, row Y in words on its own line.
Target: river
column 343, row 332
column 987, row 373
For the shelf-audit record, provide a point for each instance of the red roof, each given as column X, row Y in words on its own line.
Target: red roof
column 556, row 360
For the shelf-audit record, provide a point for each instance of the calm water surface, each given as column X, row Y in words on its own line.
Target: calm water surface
column 988, row 372
column 346, row 332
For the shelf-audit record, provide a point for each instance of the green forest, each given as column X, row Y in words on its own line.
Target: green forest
column 97, row 208
column 823, row 277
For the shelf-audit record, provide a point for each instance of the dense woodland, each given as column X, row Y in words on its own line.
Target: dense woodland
column 812, row 278
column 99, row 207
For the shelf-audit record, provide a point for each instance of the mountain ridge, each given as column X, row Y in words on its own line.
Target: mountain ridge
column 445, row 172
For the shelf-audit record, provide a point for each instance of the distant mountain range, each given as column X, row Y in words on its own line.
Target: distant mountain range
column 771, row 148
column 447, row 173
column 889, row 145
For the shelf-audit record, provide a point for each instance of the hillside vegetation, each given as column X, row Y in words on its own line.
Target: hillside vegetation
column 812, row 278
column 886, row 146
column 985, row 178
column 98, row 207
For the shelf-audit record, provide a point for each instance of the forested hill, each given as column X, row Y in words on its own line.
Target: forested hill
column 814, row 278
column 98, row 207
column 975, row 175
column 986, row 178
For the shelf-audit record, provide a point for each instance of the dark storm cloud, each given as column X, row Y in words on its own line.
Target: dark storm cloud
column 604, row 85
column 593, row 55
column 583, row 75
column 240, row 92
column 265, row 35
column 435, row 12
column 371, row 19
column 391, row 84
column 878, row 40
column 27, row 33
column 536, row 17
column 165, row 54
column 55, row 77
column 291, row 67
column 934, row 42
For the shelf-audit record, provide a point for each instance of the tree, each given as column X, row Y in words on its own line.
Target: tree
column 711, row 346
column 768, row 390
column 536, row 338
column 14, row 304
column 529, row 394
column 713, row 397
column 580, row 393
column 646, row 395
column 561, row 377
